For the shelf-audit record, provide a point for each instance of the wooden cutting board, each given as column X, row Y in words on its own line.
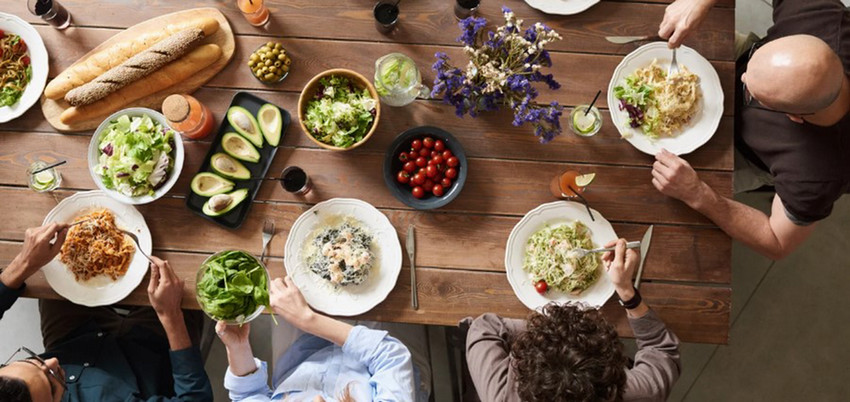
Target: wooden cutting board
column 223, row 37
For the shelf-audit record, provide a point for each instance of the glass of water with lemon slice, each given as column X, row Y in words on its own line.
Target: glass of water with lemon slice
column 584, row 122
column 47, row 180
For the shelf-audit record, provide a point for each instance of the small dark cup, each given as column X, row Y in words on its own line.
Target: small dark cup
column 386, row 16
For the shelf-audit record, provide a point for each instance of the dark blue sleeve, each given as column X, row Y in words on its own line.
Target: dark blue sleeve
column 8, row 297
column 190, row 379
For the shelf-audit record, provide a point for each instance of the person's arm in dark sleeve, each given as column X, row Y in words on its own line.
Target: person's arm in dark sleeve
column 8, row 297
column 488, row 356
column 657, row 362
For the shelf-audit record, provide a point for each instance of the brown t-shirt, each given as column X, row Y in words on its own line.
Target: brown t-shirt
column 810, row 164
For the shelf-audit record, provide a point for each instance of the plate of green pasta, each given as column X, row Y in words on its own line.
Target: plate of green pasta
column 540, row 262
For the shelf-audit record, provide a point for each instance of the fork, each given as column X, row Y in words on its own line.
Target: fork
column 268, row 233
column 674, row 66
column 580, row 252
column 138, row 247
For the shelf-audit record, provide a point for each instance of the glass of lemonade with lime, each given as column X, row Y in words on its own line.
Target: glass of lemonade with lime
column 397, row 80
column 584, row 122
column 47, row 180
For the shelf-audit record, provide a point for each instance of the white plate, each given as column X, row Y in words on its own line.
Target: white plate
column 100, row 290
column 94, row 154
column 553, row 214
column 561, row 7
column 702, row 125
column 352, row 299
column 38, row 59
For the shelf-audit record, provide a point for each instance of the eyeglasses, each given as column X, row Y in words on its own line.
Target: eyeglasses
column 42, row 365
column 752, row 102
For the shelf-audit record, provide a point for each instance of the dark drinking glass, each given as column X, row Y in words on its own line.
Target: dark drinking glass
column 293, row 179
column 386, row 16
column 51, row 12
column 466, row 8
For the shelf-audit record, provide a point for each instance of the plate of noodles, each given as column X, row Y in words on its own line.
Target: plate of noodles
column 344, row 255
column 23, row 66
column 653, row 111
column 539, row 247
column 561, row 7
column 98, row 264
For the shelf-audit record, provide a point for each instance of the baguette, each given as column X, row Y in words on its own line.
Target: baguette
column 138, row 66
column 169, row 75
column 102, row 61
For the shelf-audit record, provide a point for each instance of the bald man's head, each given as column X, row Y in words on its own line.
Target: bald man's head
column 796, row 74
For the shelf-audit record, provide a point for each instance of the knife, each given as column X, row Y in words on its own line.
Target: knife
column 622, row 40
column 411, row 252
column 644, row 249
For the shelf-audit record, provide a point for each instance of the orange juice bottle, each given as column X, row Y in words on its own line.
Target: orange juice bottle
column 185, row 114
column 254, row 11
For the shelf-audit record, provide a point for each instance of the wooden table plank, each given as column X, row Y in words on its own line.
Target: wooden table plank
column 492, row 187
column 581, row 75
column 430, row 21
column 679, row 254
column 491, row 136
column 695, row 314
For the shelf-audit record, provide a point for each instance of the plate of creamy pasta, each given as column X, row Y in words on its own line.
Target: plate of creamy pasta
column 344, row 255
column 652, row 110
column 98, row 264
column 540, row 248
column 23, row 66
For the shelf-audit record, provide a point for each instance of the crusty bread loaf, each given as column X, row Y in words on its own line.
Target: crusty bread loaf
column 167, row 76
column 138, row 66
column 103, row 60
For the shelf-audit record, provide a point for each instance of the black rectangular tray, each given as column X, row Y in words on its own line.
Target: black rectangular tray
column 235, row 217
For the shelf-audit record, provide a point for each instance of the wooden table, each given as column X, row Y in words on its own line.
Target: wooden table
column 461, row 246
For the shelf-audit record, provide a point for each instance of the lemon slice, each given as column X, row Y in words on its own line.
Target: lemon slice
column 45, row 178
column 585, row 179
column 584, row 122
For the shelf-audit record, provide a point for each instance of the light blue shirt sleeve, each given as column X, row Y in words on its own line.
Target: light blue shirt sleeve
column 389, row 363
column 252, row 387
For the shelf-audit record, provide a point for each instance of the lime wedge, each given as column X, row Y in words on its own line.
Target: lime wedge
column 44, row 178
column 585, row 179
column 584, row 122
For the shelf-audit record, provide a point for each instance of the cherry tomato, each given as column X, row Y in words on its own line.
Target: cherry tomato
column 403, row 177
column 409, row 166
column 451, row 173
column 447, row 154
column 416, row 145
column 434, row 154
column 442, row 167
column 424, row 152
column 541, row 286
column 25, row 60
column 421, row 161
column 453, row 161
column 431, row 171
column 440, row 146
column 446, row 182
column 437, row 190
column 428, row 142
column 430, row 162
column 404, row 157
column 438, row 159
column 419, row 179
column 418, row 192
column 428, row 186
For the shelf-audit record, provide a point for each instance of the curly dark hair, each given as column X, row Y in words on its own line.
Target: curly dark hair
column 569, row 353
column 14, row 390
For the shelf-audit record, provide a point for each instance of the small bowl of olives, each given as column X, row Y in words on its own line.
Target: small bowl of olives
column 270, row 63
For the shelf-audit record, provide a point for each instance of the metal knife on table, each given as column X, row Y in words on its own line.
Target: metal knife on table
column 411, row 253
column 644, row 249
column 622, row 40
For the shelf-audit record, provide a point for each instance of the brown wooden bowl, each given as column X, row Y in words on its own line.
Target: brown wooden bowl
column 310, row 90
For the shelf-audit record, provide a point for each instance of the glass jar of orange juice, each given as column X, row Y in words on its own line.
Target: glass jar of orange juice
column 570, row 184
column 255, row 11
column 185, row 114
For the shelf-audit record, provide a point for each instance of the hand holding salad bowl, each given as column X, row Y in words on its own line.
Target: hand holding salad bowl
column 135, row 157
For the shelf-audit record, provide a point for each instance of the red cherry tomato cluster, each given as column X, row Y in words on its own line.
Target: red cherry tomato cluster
column 428, row 168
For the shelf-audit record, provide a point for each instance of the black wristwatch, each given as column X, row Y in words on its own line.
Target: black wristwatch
column 633, row 302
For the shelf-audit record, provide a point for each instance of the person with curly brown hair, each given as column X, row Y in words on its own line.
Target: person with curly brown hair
column 571, row 353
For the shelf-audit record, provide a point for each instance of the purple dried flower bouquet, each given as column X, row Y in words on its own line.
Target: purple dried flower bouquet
column 502, row 68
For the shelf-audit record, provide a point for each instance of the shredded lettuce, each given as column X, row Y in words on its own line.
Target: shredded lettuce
column 135, row 155
column 340, row 114
column 638, row 101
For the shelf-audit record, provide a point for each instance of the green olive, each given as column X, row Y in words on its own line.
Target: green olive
column 285, row 69
column 268, row 62
column 270, row 44
column 254, row 57
column 273, row 69
column 278, row 63
column 258, row 73
column 278, row 46
column 269, row 77
column 281, row 57
column 287, row 62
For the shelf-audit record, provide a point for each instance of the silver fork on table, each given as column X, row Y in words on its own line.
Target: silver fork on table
column 268, row 233
column 138, row 247
column 580, row 252
column 674, row 66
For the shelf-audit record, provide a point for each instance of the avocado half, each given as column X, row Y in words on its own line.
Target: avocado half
column 208, row 184
column 229, row 167
column 235, row 198
column 270, row 123
column 245, row 124
column 238, row 147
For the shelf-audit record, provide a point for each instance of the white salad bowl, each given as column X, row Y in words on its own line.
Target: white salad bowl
column 94, row 155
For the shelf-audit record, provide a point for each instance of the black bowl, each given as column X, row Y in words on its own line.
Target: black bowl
column 392, row 165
